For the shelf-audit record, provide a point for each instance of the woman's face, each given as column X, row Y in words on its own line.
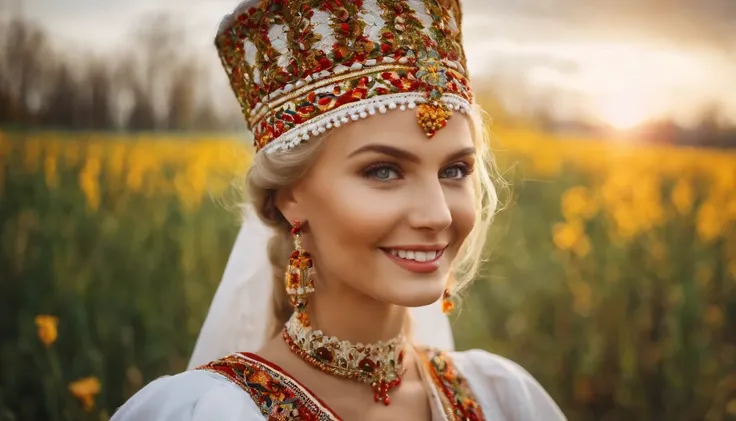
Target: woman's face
column 387, row 208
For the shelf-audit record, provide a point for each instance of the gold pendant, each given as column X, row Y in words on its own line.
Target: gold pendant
column 433, row 116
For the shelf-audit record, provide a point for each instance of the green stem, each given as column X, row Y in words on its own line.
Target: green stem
column 52, row 386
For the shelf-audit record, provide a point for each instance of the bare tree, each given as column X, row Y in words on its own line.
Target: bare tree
column 100, row 98
column 156, row 55
column 59, row 107
column 25, row 60
column 182, row 97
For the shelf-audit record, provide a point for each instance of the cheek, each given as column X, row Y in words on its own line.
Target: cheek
column 350, row 218
column 462, row 208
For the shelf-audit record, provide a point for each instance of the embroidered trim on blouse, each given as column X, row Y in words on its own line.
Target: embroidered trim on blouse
column 280, row 397
column 277, row 395
column 458, row 400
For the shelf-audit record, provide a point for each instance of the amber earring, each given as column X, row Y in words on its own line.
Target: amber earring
column 448, row 303
column 299, row 282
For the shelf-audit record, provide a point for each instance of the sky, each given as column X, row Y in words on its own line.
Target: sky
column 617, row 61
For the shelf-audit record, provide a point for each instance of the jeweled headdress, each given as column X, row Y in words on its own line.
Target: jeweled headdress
column 301, row 67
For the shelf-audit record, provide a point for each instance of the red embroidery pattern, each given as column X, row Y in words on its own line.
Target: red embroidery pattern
column 454, row 387
column 278, row 396
column 295, row 62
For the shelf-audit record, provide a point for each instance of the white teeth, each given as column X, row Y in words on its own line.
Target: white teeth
column 419, row 256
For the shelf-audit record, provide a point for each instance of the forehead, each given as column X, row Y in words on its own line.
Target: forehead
column 399, row 129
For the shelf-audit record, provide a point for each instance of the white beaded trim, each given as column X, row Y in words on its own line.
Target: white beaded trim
column 356, row 111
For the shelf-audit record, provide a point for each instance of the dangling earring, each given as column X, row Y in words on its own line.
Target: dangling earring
column 299, row 282
column 448, row 303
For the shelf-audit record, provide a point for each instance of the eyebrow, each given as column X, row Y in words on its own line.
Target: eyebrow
column 404, row 154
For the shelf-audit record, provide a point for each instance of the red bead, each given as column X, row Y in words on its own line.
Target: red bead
column 297, row 228
column 386, row 401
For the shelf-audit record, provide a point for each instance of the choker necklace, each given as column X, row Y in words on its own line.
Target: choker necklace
column 379, row 365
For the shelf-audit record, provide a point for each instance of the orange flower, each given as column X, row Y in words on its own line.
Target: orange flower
column 85, row 390
column 47, row 331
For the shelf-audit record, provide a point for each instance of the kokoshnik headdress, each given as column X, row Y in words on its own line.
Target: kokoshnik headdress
column 302, row 67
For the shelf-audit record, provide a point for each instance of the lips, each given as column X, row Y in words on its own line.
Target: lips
column 416, row 259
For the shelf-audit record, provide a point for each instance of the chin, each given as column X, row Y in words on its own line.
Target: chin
column 421, row 300
column 413, row 292
column 407, row 286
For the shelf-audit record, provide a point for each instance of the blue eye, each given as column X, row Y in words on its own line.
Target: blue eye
column 455, row 172
column 383, row 173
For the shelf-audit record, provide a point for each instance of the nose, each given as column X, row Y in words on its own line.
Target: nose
column 430, row 209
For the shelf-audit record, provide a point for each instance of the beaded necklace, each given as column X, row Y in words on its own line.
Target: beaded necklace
column 380, row 365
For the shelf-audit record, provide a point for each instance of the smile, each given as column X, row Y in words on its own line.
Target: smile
column 417, row 261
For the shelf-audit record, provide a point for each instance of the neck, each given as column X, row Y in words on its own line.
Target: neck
column 350, row 316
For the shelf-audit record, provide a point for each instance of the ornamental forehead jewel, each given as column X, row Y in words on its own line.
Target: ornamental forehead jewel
column 301, row 67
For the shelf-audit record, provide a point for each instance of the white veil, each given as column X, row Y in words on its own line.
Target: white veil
column 239, row 313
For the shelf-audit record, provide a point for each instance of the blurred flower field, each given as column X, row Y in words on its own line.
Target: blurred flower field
column 612, row 271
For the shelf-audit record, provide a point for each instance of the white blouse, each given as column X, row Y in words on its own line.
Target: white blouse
column 504, row 390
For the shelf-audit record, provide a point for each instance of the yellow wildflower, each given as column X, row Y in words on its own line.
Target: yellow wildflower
column 545, row 165
column 90, row 183
column 565, row 235
column 710, row 222
column 571, row 236
column 49, row 167
column 731, row 209
column 682, row 196
column 47, row 331
column 578, row 202
column 117, row 160
column 582, row 247
column 71, row 153
column 85, row 390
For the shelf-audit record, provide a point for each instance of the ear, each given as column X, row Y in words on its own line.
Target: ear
column 286, row 202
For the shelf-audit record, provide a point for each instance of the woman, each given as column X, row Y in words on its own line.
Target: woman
column 369, row 219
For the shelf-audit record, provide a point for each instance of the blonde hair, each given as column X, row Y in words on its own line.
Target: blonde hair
column 271, row 172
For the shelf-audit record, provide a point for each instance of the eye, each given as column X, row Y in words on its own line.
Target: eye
column 455, row 172
column 382, row 172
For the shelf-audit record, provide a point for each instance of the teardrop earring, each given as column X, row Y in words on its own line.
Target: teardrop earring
column 448, row 302
column 299, row 282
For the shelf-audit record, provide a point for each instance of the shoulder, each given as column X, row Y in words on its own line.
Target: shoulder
column 504, row 389
column 195, row 395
